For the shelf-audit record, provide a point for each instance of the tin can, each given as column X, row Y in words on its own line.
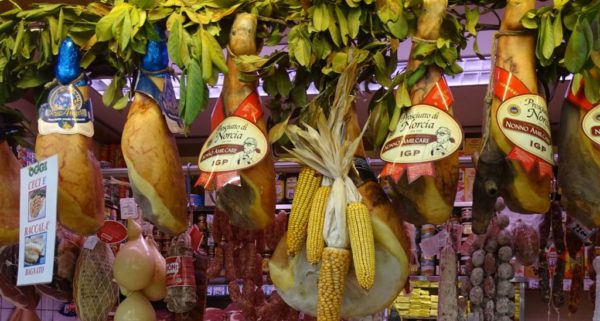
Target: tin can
column 280, row 189
column 290, row 187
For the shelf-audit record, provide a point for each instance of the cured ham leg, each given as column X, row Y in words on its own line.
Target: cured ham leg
column 427, row 196
column 9, row 196
column 514, row 164
column 579, row 160
column 251, row 204
column 80, row 190
column 150, row 151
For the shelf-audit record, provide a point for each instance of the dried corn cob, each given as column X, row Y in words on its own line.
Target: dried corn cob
column 334, row 267
column 314, row 241
column 362, row 243
column 308, row 182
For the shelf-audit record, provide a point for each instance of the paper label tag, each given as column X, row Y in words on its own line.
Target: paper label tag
column 37, row 221
column 90, row 242
column 170, row 108
column 180, row 271
column 424, row 134
column 66, row 112
column 591, row 124
column 234, row 145
column 525, row 122
column 582, row 231
column 129, row 208
column 112, row 232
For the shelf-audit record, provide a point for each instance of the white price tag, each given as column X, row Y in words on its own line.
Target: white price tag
column 533, row 283
column 582, row 231
column 90, row 242
column 129, row 208
column 566, row 284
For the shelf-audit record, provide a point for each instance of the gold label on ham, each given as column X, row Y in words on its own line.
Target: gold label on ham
column 424, row 134
column 524, row 121
column 591, row 124
column 234, row 145
column 66, row 112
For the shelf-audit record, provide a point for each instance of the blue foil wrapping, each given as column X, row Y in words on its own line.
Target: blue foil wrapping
column 157, row 56
column 67, row 68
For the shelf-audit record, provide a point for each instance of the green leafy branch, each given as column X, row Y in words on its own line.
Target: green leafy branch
column 568, row 42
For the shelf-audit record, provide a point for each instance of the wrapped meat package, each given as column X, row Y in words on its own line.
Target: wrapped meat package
column 94, row 291
column 236, row 158
column 181, row 276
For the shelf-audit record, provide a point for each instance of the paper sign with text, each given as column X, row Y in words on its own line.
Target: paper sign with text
column 39, row 190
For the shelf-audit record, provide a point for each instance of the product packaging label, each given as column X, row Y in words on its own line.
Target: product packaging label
column 423, row 134
column 180, row 271
column 582, row 231
column 523, row 119
column 236, row 144
column 591, row 124
column 112, row 232
column 66, row 112
column 165, row 98
column 525, row 122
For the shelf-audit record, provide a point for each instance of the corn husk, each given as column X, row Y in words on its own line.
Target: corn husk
column 326, row 150
column 94, row 291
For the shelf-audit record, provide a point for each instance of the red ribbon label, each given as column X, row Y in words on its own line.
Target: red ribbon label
column 180, row 271
column 425, row 133
column 236, row 143
column 524, row 121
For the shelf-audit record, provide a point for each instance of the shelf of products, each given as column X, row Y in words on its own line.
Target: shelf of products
column 422, row 302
